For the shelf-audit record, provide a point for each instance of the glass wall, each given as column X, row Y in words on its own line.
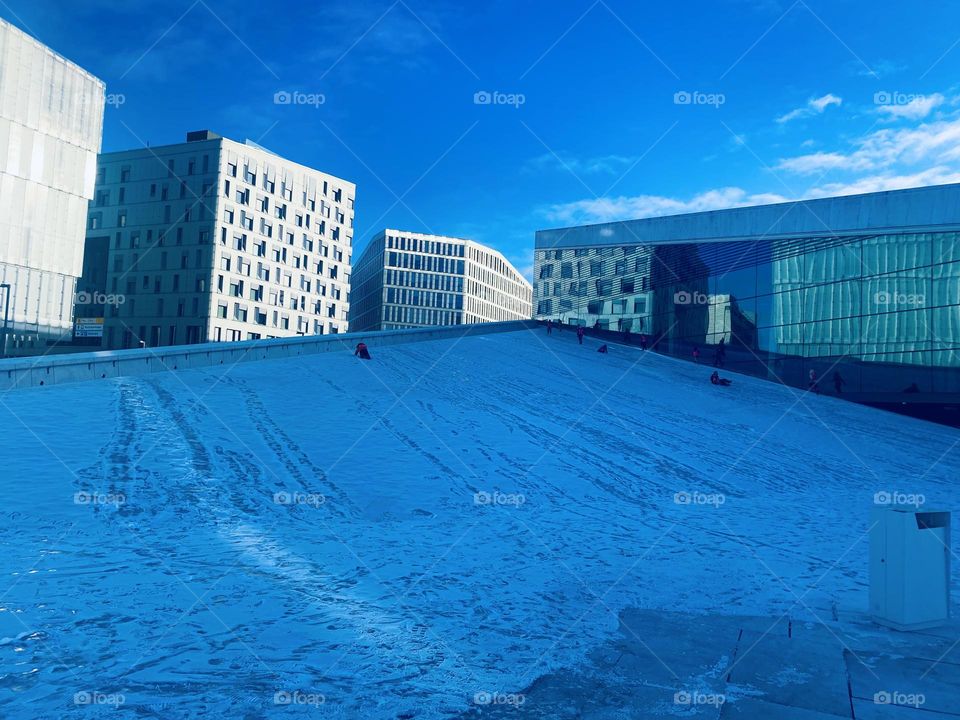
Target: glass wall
column 870, row 314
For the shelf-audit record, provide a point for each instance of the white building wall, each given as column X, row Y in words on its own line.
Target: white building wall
column 51, row 121
column 437, row 280
column 215, row 240
column 296, row 260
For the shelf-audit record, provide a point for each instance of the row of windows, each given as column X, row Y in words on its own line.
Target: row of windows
column 425, row 298
column 432, row 247
column 250, row 176
column 123, row 172
column 416, row 316
column 593, row 268
column 192, row 212
column 241, row 265
column 430, row 263
column 429, row 281
column 280, row 298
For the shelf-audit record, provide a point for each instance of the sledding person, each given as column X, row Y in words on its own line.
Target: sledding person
column 361, row 351
column 580, row 332
column 602, row 349
column 715, row 379
column 838, row 382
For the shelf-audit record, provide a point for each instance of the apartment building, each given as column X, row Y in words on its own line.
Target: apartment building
column 51, row 122
column 406, row 279
column 215, row 240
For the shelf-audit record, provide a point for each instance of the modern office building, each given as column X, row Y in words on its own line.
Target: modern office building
column 216, row 240
column 866, row 286
column 406, row 279
column 51, row 122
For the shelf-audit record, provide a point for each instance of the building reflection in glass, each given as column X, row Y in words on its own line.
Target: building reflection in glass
column 882, row 310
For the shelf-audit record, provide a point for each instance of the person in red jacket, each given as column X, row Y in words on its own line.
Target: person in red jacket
column 362, row 352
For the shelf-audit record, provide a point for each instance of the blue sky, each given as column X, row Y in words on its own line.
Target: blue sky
column 599, row 110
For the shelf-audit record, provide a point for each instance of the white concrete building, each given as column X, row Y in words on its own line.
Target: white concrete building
column 51, row 123
column 406, row 279
column 216, row 240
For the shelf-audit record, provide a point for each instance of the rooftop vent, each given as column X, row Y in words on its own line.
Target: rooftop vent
column 198, row 135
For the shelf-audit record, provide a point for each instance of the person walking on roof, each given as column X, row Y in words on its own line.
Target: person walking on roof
column 549, row 327
column 814, row 386
column 696, row 354
column 838, row 382
column 643, row 341
column 580, row 332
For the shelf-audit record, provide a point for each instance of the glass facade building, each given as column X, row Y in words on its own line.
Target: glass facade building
column 863, row 290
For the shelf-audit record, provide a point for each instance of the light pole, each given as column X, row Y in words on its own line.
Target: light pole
column 6, row 317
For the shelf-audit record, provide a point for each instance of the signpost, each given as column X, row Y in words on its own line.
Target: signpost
column 88, row 328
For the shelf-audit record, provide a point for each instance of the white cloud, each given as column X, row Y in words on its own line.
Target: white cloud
column 601, row 164
column 822, row 103
column 816, row 106
column 640, row 206
column 883, row 182
column 926, row 153
column 935, row 142
column 916, row 109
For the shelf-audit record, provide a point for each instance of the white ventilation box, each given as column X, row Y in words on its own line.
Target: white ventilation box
column 909, row 567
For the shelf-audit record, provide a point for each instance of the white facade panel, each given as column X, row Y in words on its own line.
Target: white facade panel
column 51, row 119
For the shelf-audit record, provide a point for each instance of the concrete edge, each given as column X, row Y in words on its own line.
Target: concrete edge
column 19, row 373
